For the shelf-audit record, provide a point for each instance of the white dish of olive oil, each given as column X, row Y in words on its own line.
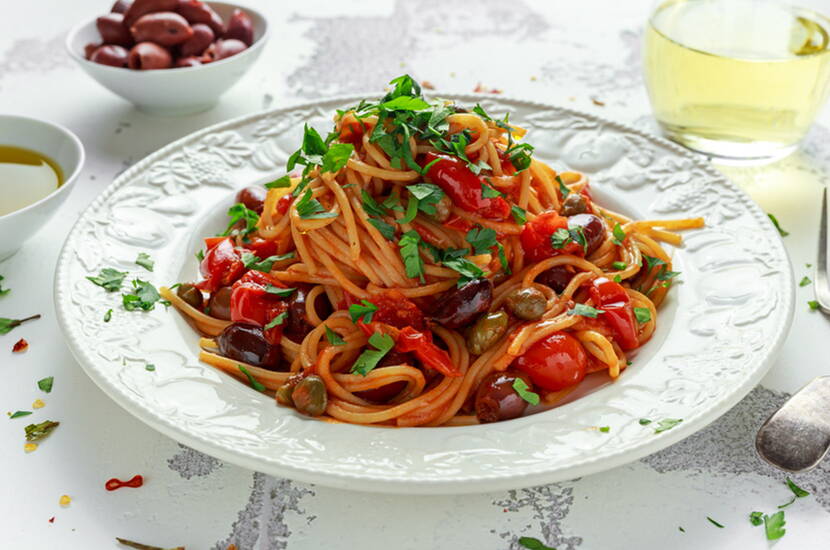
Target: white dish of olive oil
column 26, row 177
column 39, row 164
column 737, row 78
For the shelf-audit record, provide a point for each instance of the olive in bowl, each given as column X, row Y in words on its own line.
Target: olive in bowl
column 169, row 57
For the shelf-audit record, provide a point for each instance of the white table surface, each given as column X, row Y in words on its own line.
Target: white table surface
column 562, row 52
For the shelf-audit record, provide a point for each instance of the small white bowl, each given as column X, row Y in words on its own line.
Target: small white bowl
column 179, row 91
column 57, row 143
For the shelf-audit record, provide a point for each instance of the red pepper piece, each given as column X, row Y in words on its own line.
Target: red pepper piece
column 115, row 483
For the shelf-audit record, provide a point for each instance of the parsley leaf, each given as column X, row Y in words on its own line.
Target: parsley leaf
column 411, row 210
column 387, row 230
column 585, row 311
column 805, row 281
column 279, row 183
column 797, row 491
column 334, row 338
column 619, row 234
column 277, row 291
column 371, row 206
column 645, row 422
column 489, row 192
column 45, row 384
column 364, row 309
column 774, row 221
column 560, row 238
column 774, row 525
column 619, row 266
column 145, row 261
column 276, row 321
column 405, row 103
column 715, row 523
column 563, row 189
column 239, row 212
column 311, row 209
column 812, row 303
column 605, row 429
column 523, row 390
column 143, row 296
column 108, row 316
column 412, row 260
column 652, row 262
column 467, row 269
column 482, row 239
column 519, row 214
column 369, row 359
column 643, row 314
column 252, row 261
column 667, row 424
column 533, row 544
column 337, row 156
column 7, row 325
column 756, row 518
column 149, row 367
column 251, row 380
column 109, row 279
column 18, row 414
column 428, row 195
column 36, row 432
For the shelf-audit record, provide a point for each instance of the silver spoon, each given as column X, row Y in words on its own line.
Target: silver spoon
column 797, row 436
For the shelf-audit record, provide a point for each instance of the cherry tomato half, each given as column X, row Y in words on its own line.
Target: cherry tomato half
column 221, row 266
column 536, row 234
column 554, row 363
column 618, row 314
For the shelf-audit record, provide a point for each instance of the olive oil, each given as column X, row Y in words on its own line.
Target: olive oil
column 737, row 78
column 25, row 178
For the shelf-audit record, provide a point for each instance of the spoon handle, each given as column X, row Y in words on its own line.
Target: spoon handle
column 797, row 436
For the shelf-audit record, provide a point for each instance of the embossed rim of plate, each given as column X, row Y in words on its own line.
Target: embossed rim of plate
column 452, row 483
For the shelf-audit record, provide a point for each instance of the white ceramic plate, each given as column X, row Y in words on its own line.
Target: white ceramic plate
column 718, row 333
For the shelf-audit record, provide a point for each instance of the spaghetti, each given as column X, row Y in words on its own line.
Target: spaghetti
column 425, row 270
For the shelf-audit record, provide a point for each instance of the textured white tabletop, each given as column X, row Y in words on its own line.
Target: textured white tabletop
column 581, row 54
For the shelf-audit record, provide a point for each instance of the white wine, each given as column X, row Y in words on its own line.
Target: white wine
column 737, row 78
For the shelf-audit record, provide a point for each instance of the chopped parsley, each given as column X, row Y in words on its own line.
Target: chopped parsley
column 652, row 262
column 482, row 239
column 804, row 281
column 334, row 338
column 109, row 279
column 7, row 325
column 387, row 230
column 18, row 414
column 362, row 311
column 3, row 291
column 519, row 214
column 200, row 255
column 489, row 192
column 150, row 367
column 413, row 263
column 278, row 183
column 563, row 189
column 619, row 234
column 523, row 390
column 666, row 424
column 277, row 291
column 617, row 279
column 533, row 544
column 239, row 212
column 143, row 296
column 427, row 196
column 643, row 314
column 309, row 208
column 251, row 380
column 145, row 261
column 585, row 311
column 371, row 206
column 715, row 523
column 774, row 221
column 605, row 429
column 797, row 491
column 756, row 518
column 812, row 303
column 619, row 266
column 252, row 261
column 369, row 359
column 45, row 384
column 467, row 270
column 337, row 156
column 774, row 525
column 276, row 321
column 108, row 316
column 36, row 432
column 561, row 237
column 645, row 422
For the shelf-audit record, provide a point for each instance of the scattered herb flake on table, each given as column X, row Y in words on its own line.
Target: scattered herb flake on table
column 45, row 384
column 149, row 367
column 533, row 544
column 7, row 325
column 756, row 518
column 774, row 525
column 715, row 523
column 797, row 491
column 36, row 432
column 605, row 429
column 18, row 414
column 645, row 422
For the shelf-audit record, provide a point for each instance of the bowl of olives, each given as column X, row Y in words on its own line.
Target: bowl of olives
column 169, row 57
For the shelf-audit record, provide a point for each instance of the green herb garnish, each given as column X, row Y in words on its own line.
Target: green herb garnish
column 143, row 296
column 715, row 523
column 605, row 429
column 252, row 261
column 619, row 234
column 533, row 544
column 109, row 279
column 276, row 321
column 18, row 414
column 45, row 384
column 150, row 367
column 585, row 311
column 756, row 518
column 643, row 314
column 519, row 214
column 667, row 424
column 7, row 325
column 278, row 183
column 251, row 380
column 413, row 263
column 277, row 291
column 309, row 208
column 145, row 261
column 334, row 338
column 369, row 359
column 362, row 311
column 774, row 221
column 36, row 432
column 3, row 291
column 812, row 303
column 239, row 212
column 804, row 281
column 523, row 390
column 774, row 525
column 108, row 316
column 619, row 266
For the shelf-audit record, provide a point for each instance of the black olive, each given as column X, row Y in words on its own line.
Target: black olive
column 496, row 399
column 247, row 344
column 556, row 277
column 592, row 227
column 297, row 325
column 460, row 306
column 253, row 198
column 220, row 304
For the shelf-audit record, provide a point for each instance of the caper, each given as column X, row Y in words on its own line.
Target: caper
column 527, row 304
column 283, row 395
column 309, row 396
column 486, row 331
column 191, row 295
column 574, row 204
column 443, row 209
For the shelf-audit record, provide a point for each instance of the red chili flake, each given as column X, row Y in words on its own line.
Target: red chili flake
column 20, row 346
column 115, row 483
column 52, row 519
column 427, row 85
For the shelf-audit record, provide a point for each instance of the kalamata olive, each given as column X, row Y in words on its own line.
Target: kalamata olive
column 593, row 228
column 556, row 277
column 574, row 204
column 527, row 304
column 191, row 295
column 114, row 56
column 309, row 396
column 247, row 344
column 496, row 399
column 240, row 27
column 297, row 326
column 113, row 31
column 222, row 49
column 486, row 332
column 463, row 304
column 143, row 7
column 252, row 197
column 191, row 61
column 220, row 304
column 121, row 6
column 165, row 29
column 146, row 56
column 443, row 209
column 199, row 12
column 198, row 43
column 90, row 48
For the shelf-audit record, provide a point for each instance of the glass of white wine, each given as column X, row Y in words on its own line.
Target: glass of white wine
column 738, row 79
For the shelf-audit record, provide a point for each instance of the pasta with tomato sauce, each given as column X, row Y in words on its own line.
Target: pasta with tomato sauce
column 424, row 269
